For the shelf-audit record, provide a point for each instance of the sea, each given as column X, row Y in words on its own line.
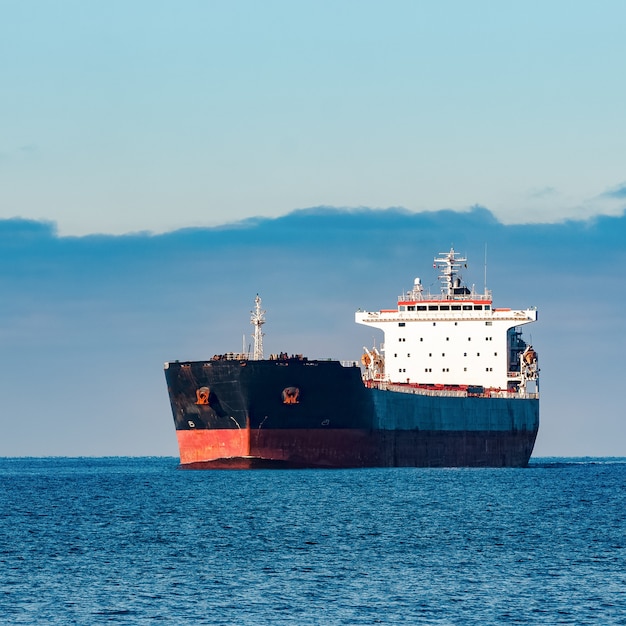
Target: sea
column 139, row 541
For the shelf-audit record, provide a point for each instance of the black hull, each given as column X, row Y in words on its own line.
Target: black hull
column 298, row 413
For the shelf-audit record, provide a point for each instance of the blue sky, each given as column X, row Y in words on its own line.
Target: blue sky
column 162, row 162
column 155, row 115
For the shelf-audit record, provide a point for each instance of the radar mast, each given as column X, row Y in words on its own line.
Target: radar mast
column 257, row 320
column 449, row 263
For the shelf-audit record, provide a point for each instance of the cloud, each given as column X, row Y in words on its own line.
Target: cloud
column 550, row 205
column 23, row 231
column 87, row 322
column 24, row 152
column 545, row 192
column 618, row 192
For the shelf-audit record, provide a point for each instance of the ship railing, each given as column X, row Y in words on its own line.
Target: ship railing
column 349, row 363
column 446, row 393
column 513, row 394
column 410, row 296
column 236, row 356
column 231, row 356
column 452, row 393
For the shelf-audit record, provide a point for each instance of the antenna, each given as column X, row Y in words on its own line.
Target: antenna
column 485, row 267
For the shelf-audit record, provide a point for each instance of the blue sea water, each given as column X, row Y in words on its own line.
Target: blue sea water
column 136, row 541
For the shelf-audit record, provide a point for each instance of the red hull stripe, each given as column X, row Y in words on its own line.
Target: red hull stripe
column 206, row 445
column 353, row 448
column 311, row 447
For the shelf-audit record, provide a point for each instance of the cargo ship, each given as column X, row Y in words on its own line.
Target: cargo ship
column 452, row 384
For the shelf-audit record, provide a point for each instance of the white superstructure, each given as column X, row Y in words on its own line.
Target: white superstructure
column 455, row 338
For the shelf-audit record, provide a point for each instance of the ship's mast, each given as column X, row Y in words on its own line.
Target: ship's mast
column 449, row 263
column 257, row 320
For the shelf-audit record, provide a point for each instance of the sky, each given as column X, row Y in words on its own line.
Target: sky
column 157, row 115
column 162, row 162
